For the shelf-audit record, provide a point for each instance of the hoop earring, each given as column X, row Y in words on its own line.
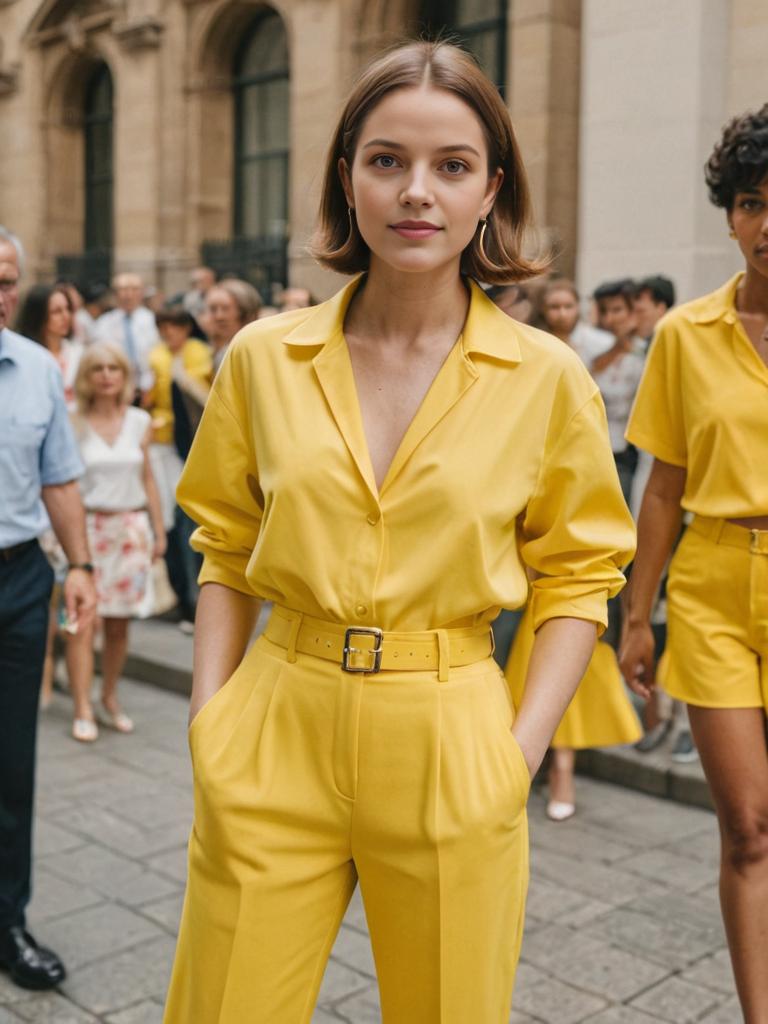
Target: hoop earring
column 351, row 226
column 481, row 241
column 731, row 233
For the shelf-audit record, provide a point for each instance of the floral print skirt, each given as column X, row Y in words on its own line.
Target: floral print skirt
column 121, row 549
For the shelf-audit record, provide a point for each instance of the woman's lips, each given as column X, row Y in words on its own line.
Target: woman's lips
column 415, row 229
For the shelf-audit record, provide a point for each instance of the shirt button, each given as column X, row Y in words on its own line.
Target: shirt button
column 361, row 610
column 373, row 517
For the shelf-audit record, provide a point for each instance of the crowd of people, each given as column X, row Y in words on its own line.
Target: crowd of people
column 136, row 372
column 429, row 463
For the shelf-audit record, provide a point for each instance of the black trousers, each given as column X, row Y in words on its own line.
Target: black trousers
column 25, row 593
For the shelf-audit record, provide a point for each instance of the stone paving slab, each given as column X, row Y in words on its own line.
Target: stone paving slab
column 623, row 925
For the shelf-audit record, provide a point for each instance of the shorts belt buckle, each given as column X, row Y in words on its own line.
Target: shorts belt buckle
column 758, row 542
column 372, row 652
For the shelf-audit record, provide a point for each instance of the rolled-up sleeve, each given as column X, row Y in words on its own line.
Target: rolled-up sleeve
column 219, row 487
column 577, row 532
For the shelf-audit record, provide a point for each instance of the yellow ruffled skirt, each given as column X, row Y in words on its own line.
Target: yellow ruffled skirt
column 600, row 714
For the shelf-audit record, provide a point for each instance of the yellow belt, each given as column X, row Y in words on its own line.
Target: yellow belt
column 720, row 531
column 368, row 649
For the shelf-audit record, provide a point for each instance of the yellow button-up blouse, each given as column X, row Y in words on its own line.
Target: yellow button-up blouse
column 703, row 404
column 506, row 465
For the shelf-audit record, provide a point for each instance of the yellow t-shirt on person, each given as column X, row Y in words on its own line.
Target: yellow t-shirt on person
column 197, row 361
column 703, row 404
column 506, row 464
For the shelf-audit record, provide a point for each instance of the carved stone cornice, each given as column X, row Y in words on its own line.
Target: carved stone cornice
column 139, row 34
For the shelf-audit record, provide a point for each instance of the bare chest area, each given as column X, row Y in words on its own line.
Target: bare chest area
column 390, row 389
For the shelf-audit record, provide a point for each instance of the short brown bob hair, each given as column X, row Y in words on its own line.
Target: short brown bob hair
column 338, row 243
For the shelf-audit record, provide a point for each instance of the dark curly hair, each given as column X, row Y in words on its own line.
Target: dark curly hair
column 740, row 159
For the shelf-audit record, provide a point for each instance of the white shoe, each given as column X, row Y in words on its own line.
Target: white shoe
column 84, row 730
column 559, row 811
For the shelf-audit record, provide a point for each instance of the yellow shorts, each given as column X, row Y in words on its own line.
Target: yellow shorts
column 717, row 646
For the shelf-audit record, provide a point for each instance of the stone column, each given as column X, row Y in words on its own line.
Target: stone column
column 654, row 93
column 543, row 95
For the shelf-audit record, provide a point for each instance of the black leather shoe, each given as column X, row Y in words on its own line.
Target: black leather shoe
column 29, row 965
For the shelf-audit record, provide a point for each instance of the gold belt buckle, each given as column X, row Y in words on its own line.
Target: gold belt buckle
column 758, row 542
column 372, row 652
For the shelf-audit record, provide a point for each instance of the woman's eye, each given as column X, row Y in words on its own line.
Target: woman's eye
column 749, row 204
column 385, row 161
column 454, row 166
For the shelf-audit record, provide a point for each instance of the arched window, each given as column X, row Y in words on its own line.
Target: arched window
column 261, row 84
column 480, row 24
column 97, row 126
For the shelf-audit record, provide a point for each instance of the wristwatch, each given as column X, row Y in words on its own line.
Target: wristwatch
column 85, row 566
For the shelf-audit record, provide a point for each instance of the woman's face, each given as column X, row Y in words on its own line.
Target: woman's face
column 59, row 322
column 749, row 222
column 107, row 379
column 419, row 181
column 222, row 314
column 175, row 336
column 561, row 312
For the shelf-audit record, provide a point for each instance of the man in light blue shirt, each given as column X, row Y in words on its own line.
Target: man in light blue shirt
column 39, row 466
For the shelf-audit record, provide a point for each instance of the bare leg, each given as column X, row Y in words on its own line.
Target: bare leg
column 80, row 670
column 734, row 754
column 112, row 660
column 562, row 791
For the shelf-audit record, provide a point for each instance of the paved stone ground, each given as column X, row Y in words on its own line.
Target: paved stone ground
column 623, row 922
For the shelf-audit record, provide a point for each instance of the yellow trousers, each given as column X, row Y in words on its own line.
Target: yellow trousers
column 309, row 779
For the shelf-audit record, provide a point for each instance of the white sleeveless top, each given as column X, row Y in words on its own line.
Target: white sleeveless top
column 114, row 473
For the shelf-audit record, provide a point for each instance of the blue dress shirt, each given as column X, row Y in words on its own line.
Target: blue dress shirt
column 37, row 445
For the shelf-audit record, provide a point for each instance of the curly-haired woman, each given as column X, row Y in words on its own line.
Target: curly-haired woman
column 702, row 411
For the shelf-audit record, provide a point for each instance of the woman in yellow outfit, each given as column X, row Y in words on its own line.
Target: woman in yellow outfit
column 383, row 467
column 600, row 715
column 702, row 411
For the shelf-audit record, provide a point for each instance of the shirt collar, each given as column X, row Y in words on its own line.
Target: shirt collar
column 721, row 304
column 487, row 330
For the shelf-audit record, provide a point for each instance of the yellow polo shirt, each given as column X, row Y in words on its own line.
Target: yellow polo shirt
column 506, row 465
column 197, row 360
column 703, row 404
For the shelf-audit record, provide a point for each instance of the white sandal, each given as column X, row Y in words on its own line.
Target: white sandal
column 116, row 720
column 84, row 730
column 558, row 810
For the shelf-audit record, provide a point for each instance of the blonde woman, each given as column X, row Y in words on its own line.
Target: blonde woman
column 125, row 526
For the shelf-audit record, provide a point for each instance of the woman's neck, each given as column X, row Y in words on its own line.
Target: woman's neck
column 408, row 309
column 752, row 293
column 54, row 343
column 105, row 407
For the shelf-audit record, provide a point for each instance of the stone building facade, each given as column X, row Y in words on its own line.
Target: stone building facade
column 149, row 134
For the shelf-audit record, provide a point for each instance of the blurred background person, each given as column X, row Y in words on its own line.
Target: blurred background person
column 182, row 366
column 296, row 298
column 617, row 371
column 124, row 522
column 46, row 316
column 201, row 280
column 654, row 296
column 96, row 301
column 131, row 326
column 600, row 713
column 229, row 305
column 561, row 315
column 513, row 300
